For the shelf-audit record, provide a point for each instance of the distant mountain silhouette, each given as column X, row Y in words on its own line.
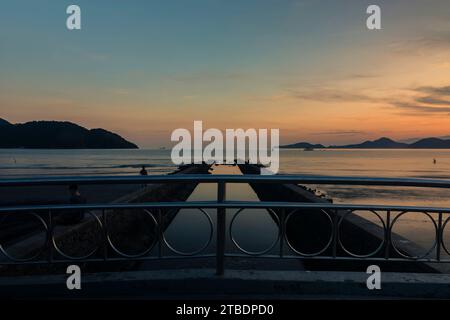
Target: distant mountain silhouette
column 303, row 145
column 58, row 135
column 414, row 140
column 431, row 143
column 382, row 143
column 4, row 123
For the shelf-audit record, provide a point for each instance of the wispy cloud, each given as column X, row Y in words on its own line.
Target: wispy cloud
column 333, row 95
column 362, row 76
column 420, row 100
column 420, row 107
column 339, row 133
column 432, row 43
column 427, row 100
column 444, row 91
column 209, row 76
column 433, row 100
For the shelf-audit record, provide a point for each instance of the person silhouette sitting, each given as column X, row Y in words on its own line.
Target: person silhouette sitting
column 74, row 216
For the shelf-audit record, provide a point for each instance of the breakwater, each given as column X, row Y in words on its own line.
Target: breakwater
column 127, row 226
column 310, row 230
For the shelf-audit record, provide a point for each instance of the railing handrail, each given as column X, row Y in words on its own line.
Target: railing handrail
column 45, row 213
column 206, row 178
column 224, row 204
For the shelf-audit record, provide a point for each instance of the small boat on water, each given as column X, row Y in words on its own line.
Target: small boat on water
column 308, row 149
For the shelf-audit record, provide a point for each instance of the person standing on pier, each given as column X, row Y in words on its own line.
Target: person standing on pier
column 143, row 172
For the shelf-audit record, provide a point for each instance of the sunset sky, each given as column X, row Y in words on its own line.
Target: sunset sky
column 311, row 68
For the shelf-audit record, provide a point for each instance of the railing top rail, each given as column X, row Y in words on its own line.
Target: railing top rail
column 225, row 204
column 205, row 178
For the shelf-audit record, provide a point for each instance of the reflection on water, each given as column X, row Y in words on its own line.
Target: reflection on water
column 190, row 230
column 389, row 163
column 254, row 229
column 375, row 163
column 417, row 227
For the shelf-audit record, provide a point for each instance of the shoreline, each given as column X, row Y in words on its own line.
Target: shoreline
column 60, row 194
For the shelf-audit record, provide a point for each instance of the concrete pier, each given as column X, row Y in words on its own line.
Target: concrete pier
column 310, row 231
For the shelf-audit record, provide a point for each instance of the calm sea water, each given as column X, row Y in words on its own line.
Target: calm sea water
column 28, row 163
column 373, row 163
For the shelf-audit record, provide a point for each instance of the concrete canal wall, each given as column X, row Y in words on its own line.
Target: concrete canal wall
column 127, row 226
column 310, row 230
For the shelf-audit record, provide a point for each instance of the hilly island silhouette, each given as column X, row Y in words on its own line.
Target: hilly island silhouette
column 68, row 135
column 382, row 143
column 58, row 135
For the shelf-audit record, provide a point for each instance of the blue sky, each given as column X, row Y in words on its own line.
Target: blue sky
column 307, row 67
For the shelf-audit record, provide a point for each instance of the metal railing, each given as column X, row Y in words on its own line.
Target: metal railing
column 389, row 246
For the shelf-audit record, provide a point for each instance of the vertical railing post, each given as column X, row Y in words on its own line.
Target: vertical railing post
column 282, row 230
column 388, row 235
column 50, row 236
column 439, row 236
column 105, row 236
column 221, row 229
column 335, row 232
column 160, row 233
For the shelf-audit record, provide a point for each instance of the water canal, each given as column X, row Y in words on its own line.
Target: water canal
column 253, row 229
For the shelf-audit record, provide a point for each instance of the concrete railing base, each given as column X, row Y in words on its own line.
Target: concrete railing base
column 236, row 284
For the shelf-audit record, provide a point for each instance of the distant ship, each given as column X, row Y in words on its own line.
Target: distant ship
column 308, row 149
